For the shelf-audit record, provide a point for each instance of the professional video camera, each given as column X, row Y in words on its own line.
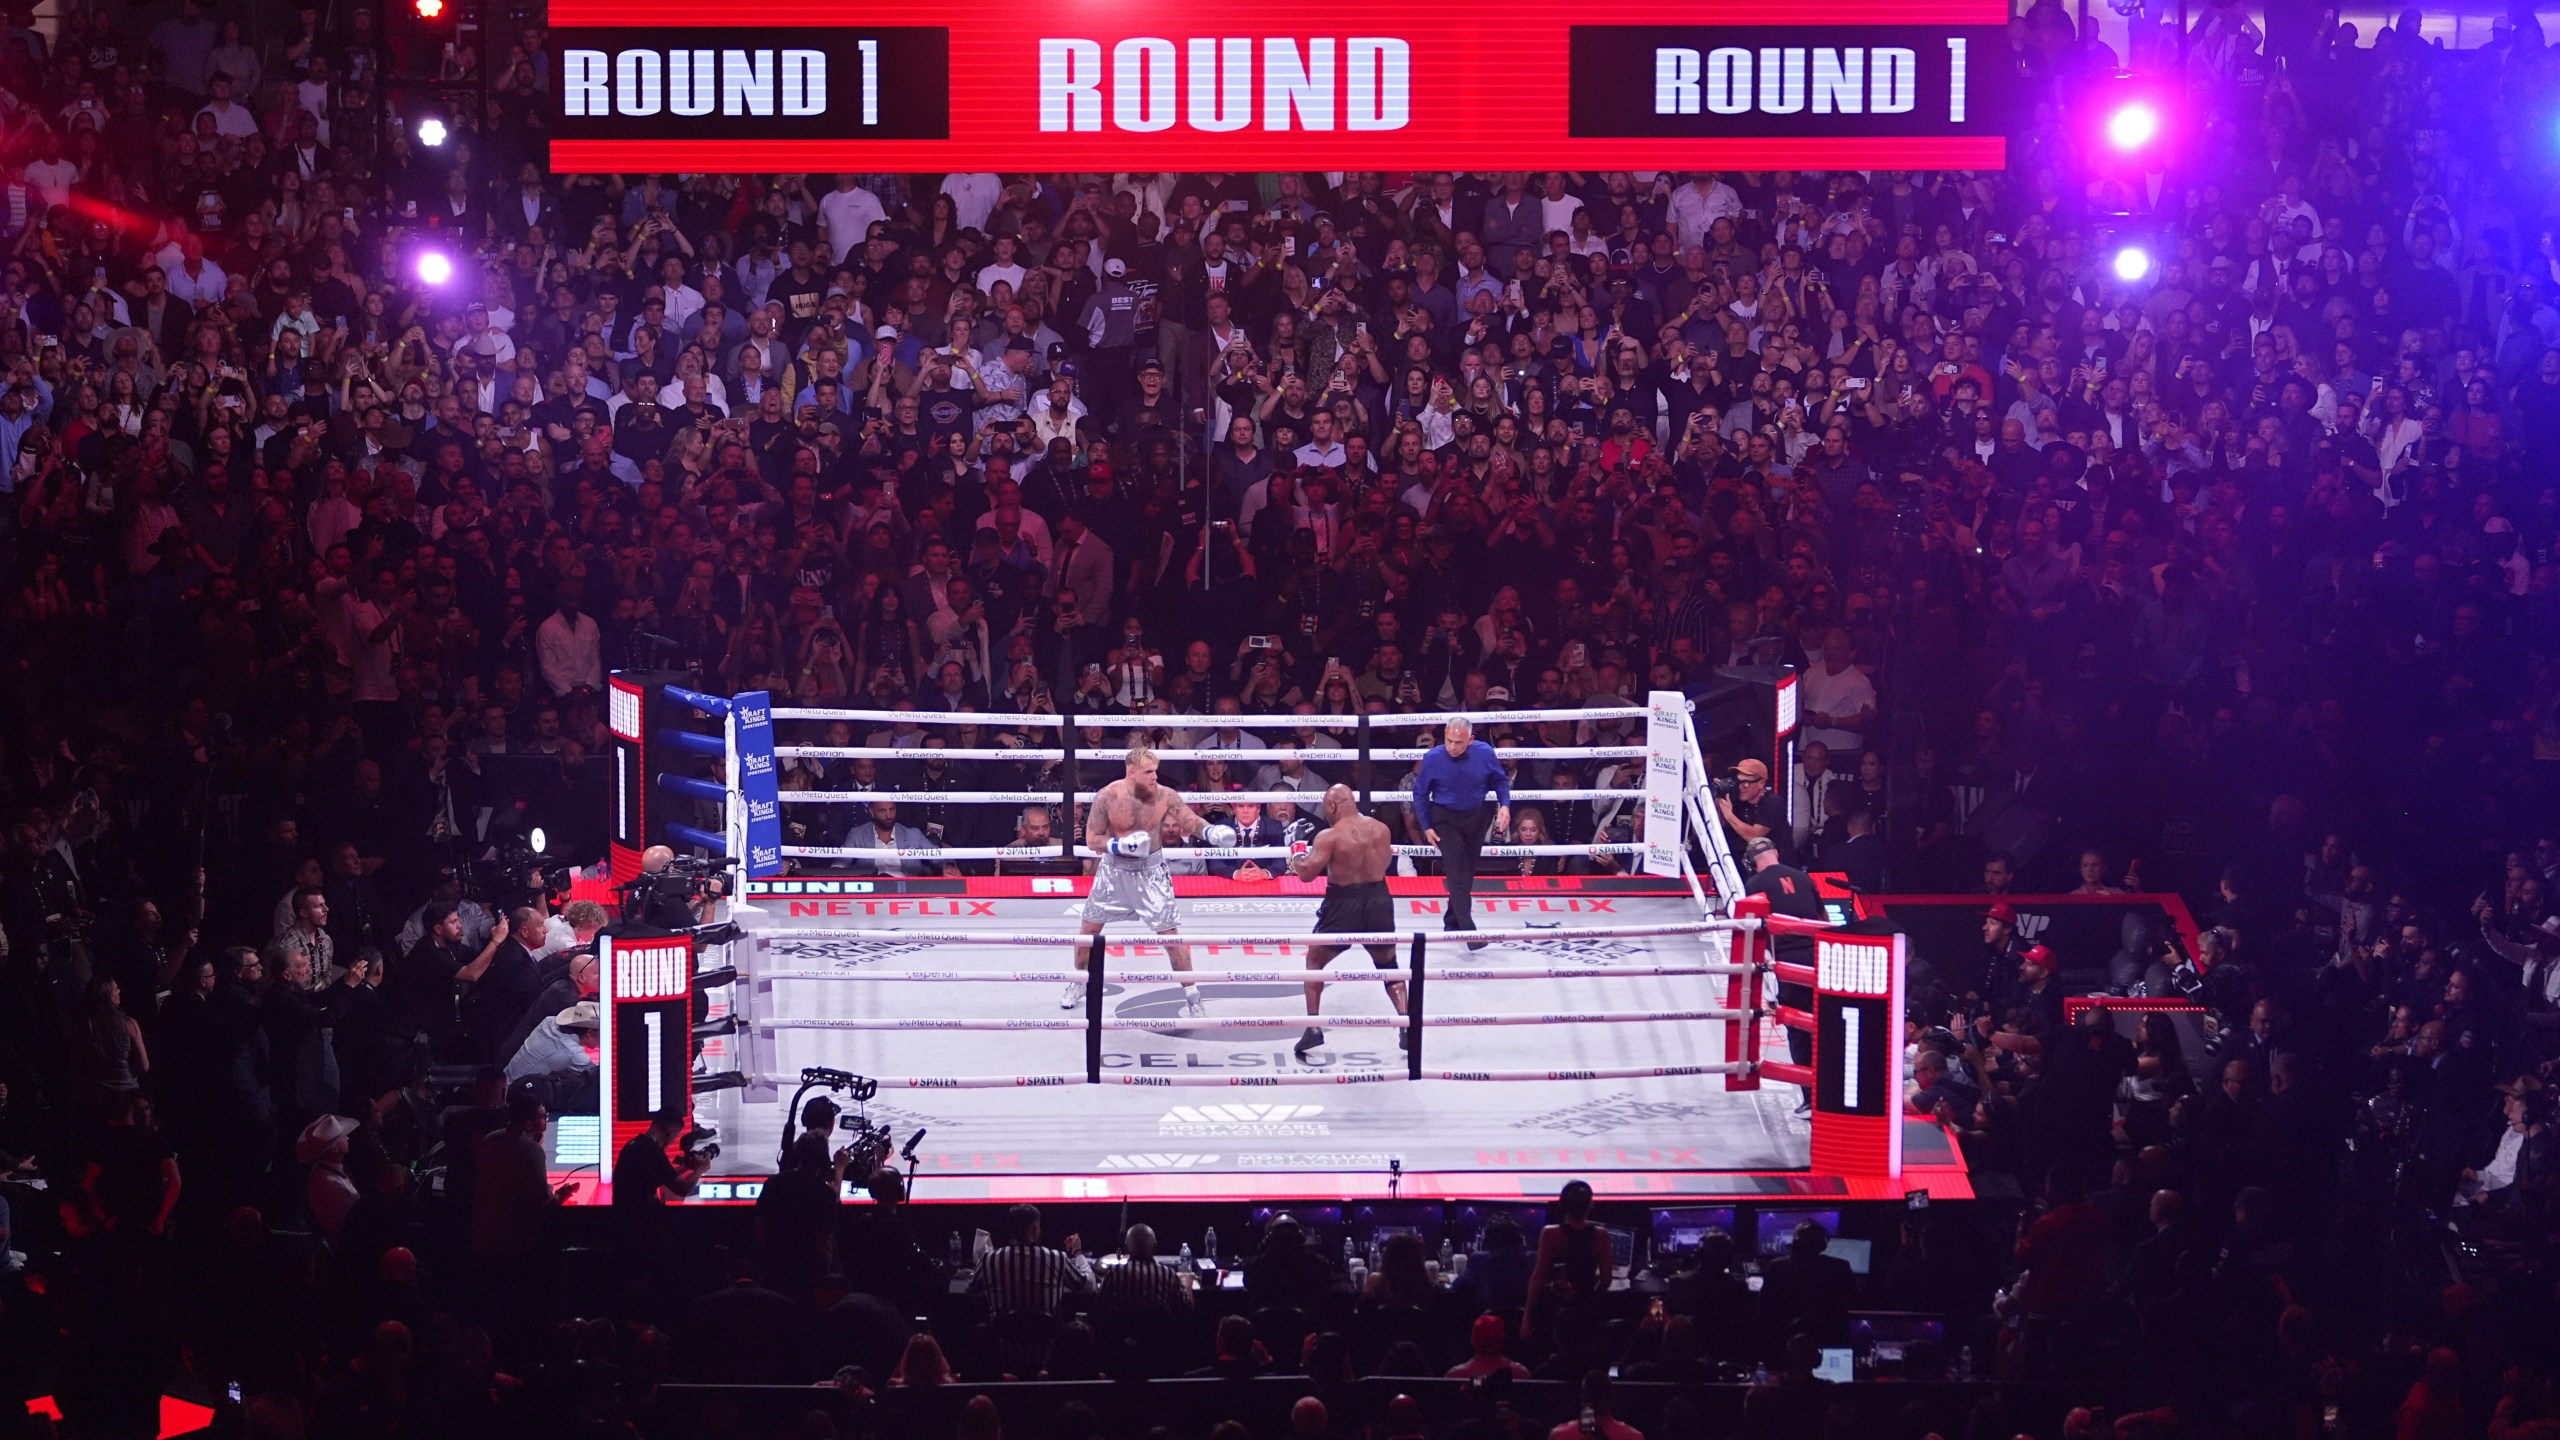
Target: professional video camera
column 869, row 1143
column 667, row 898
column 513, row 869
column 700, row 1145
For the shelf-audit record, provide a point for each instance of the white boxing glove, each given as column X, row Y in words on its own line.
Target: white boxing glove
column 1219, row 837
column 1136, row 845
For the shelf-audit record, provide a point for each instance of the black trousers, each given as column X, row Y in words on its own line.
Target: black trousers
column 1799, row 1042
column 1462, row 835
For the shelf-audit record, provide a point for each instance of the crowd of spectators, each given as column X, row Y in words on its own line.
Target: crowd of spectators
column 2244, row 572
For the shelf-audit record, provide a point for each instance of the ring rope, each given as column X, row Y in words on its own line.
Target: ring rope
column 1252, row 1081
column 1176, row 1024
column 1041, row 797
column 1335, row 755
column 1201, row 852
column 1387, row 937
column 1241, row 722
column 1261, row 977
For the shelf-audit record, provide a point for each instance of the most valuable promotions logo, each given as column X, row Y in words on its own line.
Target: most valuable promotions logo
column 1242, row 1122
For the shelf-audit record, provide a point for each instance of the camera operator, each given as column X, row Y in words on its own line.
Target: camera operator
column 643, row 1174
column 1748, row 810
column 663, row 897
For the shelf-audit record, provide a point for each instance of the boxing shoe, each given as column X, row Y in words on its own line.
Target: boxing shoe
column 1193, row 1007
column 1309, row 1041
column 1073, row 996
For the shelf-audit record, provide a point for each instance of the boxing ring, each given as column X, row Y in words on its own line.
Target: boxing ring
column 1619, row 1027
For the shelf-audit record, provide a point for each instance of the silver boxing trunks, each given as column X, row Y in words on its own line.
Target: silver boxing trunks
column 1140, row 890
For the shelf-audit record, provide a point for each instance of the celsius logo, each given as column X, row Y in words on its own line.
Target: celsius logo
column 1242, row 1122
column 1155, row 1162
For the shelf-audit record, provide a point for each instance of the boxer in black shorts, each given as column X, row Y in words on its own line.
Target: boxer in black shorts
column 1353, row 854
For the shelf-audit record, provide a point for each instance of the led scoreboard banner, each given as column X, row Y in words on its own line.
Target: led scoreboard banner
column 1489, row 85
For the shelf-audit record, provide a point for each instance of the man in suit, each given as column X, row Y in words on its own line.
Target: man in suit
column 306, row 156
column 503, row 982
column 529, row 207
column 1861, row 857
column 952, row 689
column 163, row 315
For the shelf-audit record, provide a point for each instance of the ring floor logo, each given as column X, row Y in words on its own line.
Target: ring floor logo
column 844, row 954
column 1242, row 1122
column 1613, row 1115
column 1584, row 952
column 1153, row 1161
column 1316, row 1160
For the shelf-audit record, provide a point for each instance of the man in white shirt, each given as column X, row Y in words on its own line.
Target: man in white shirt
column 373, row 640
column 1839, row 701
column 481, row 337
column 1700, row 204
column 974, row 194
column 1555, row 207
column 1003, row 267
column 230, row 117
column 195, row 279
column 52, row 176
column 847, row 213
column 567, row 646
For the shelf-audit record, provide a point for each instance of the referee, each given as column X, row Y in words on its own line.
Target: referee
column 1459, row 781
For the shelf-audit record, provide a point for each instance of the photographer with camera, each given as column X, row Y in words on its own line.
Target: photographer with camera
column 644, row 1175
column 1744, row 803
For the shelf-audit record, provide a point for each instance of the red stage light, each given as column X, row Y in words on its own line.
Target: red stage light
column 429, row 9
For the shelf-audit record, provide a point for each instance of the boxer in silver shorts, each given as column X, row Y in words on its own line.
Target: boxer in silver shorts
column 1127, row 827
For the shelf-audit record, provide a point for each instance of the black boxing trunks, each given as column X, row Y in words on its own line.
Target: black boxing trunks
column 1356, row 910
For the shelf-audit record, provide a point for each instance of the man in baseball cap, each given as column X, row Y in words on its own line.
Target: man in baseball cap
column 2001, row 953
column 1746, row 808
